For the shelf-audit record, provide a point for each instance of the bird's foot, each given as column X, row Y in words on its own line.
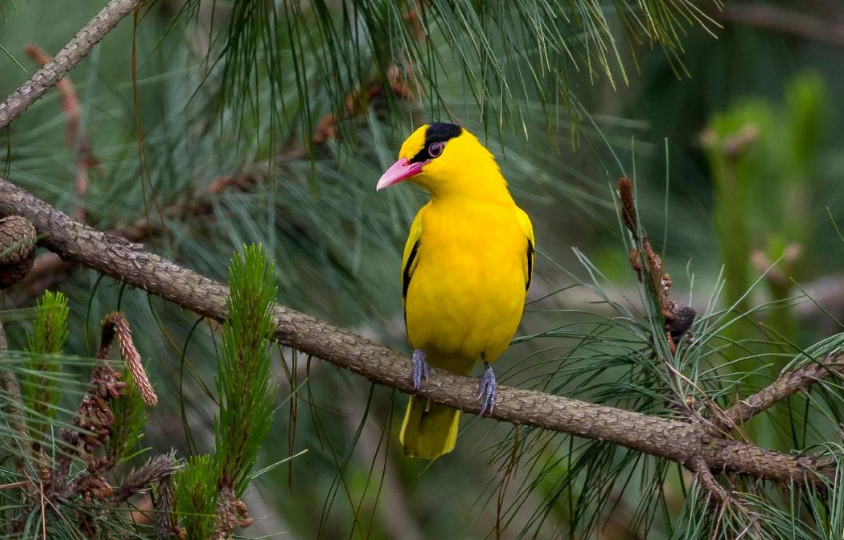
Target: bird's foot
column 489, row 390
column 420, row 369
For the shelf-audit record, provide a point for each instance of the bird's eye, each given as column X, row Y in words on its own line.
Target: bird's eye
column 435, row 150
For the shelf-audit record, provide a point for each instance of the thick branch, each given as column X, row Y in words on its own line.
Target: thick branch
column 130, row 263
column 67, row 58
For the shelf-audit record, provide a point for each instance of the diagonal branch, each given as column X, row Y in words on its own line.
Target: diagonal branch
column 67, row 58
column 786, row 385
column 672, row 439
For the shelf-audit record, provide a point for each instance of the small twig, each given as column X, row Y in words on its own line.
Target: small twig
column 649, row 269
column 708, row 481
column 720, row 519
column 76, row 139
column 723, row 498
column 776, row 275
column 165, row 517
column 733, row 145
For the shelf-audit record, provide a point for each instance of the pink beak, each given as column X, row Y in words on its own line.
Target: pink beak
column 399, row 171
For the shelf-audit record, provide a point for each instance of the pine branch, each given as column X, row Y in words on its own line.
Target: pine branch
column 671, row 439
column 786, row 385
column 49, row 270
column 66, row 59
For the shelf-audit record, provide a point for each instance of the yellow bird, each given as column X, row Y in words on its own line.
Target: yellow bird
column 466, row 270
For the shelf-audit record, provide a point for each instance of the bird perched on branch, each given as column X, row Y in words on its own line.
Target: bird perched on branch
column 466, row 269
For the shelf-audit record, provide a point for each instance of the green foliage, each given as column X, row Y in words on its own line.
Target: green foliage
column 130, row 416
column 48, row 336
column 762, row 157
column 196, row 496
column 274, row 69
column 246, row 393
column 511, row 57
column 583, row 488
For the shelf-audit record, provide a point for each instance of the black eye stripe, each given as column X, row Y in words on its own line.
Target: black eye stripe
column 436, row 132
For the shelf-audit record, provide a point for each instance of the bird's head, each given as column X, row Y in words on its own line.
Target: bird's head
column 445, row 159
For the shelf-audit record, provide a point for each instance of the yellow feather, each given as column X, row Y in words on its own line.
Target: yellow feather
column 429, row 430
column 465, row 271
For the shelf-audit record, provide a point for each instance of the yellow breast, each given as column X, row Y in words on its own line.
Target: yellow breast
column 468, row 288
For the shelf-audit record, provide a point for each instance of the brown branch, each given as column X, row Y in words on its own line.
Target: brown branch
column 49, row 269
column 122, row 260
column 66, row 59
column 708, row 481
column 650, row 271
column 785, row 21
column 666, row 438
column 786, row 385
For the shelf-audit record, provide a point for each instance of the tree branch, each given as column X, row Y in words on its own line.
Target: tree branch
column 49, row 269
column 67, row 58
column 785, row 21
column 786, row 385
column 671, row 439
column 119, row 258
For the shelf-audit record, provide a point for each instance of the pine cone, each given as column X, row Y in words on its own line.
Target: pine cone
column 17, row 249
column 683, row 320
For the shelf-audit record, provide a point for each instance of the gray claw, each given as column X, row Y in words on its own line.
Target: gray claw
column 420, row 369
column 488, row 390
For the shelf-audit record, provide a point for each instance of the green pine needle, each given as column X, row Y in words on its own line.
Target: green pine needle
column 47, row 339
column 244, row 385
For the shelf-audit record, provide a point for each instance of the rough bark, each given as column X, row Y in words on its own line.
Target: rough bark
column 67, row 58
column 677, row 440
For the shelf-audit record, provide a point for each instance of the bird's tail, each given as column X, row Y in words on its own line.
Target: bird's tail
column 429, row 429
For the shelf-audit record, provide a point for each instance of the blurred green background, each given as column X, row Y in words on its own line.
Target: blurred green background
column 734, row 144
